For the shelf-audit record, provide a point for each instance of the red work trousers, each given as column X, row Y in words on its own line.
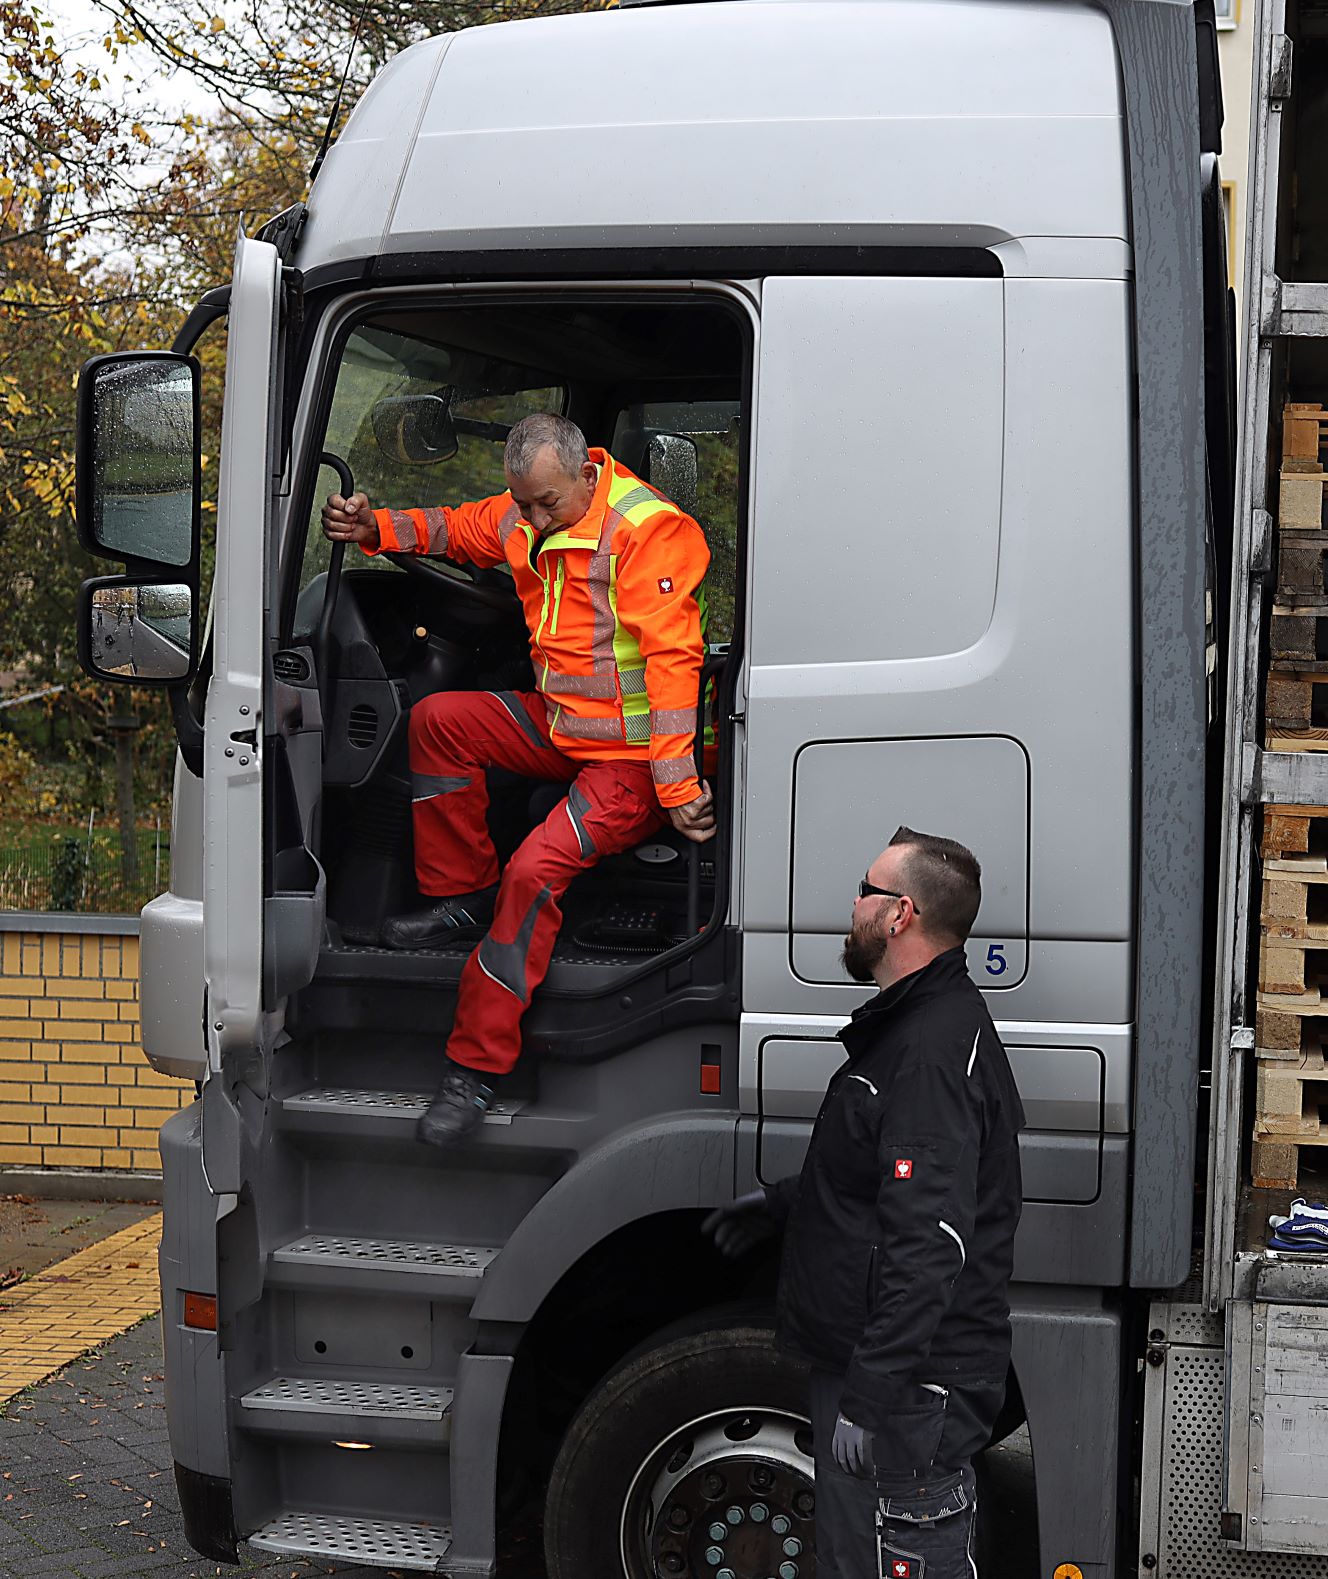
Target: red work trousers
column 609, row 806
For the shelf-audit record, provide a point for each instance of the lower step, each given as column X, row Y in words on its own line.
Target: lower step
column 386, row 1414
column 373, row 1543
column 370, row 1266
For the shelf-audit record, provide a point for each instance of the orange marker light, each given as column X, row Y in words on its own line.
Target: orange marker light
column 200, row 1310
column 1068, row 1571
column 709, row 1080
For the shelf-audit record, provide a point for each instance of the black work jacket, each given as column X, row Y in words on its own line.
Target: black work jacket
column 900, row 1233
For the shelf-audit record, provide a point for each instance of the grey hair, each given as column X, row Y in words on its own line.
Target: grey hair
column 545, row 429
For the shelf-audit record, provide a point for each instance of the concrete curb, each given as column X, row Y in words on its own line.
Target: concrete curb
column 80, row 1184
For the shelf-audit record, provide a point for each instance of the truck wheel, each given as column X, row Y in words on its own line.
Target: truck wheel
column 692, row 1458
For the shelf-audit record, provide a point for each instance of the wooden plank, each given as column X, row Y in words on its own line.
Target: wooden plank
column 1297, row 935
column 1289, row 705
column 1301, row 604
column 1310, row 1063
column 1285, row 1036
column 1285, row 832
column 1300, row 500
column 1304, row 868
column 1300, row 431
column 1309, row 1002
column 1282, row 739
column 1291, row 634
column 1315, row 1137
column 1308, row 535
column 1285, row 904
column 1300, row 566
column 1281, row 1035
column 1292, row 968
column 1274, row 1165
column 1289, row 1104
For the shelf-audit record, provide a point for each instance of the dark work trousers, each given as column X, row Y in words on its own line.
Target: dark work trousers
column 903, row 1529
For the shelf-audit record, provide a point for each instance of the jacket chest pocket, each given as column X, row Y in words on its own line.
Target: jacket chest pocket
column 846, row 1139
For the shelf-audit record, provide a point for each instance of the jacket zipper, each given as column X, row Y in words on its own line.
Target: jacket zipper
column 557, row 596
column 544, row 611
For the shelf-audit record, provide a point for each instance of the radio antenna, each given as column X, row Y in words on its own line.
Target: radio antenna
column 317, row 165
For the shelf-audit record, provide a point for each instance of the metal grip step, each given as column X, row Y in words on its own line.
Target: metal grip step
column 375, row 1543
column 320, row 1395
column 353, row 1265
column 461, row 1260
column 354, row 1102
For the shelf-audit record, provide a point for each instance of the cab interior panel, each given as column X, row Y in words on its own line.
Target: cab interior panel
column 420, row 403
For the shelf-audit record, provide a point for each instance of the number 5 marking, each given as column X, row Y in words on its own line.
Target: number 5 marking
column 997, row 964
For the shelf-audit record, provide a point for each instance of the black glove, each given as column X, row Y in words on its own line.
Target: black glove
column 742, row 1226
column 853, row 1449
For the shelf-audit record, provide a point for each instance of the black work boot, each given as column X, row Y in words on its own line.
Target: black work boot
column 441, row 920
column 458, row 1107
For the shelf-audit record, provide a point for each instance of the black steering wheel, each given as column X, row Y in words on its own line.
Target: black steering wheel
column 489, row 600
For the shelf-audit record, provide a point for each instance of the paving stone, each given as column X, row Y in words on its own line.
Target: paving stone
column 86, row 1422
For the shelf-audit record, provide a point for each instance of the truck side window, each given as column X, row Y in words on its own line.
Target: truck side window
column 486, row 398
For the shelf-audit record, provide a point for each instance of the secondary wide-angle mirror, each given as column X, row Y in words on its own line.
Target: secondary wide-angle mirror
column 138, row 457
column 416, row 430
column 140, row 633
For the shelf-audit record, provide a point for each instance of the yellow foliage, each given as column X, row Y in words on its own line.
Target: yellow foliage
column 17, row 770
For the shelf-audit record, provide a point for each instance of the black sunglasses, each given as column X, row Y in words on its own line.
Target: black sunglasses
column 865, row 889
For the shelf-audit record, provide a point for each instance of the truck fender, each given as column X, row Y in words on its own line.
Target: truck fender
column 677, row 1161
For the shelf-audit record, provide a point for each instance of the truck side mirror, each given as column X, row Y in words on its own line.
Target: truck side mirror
column 139, row 479
column 673, row 467
column 138, row 633
column 416, row 430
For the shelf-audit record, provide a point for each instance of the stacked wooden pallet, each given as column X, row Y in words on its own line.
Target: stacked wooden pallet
column 1291, row 1033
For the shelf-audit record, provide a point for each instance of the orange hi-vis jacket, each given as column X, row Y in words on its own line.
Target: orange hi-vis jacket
column 616, row 612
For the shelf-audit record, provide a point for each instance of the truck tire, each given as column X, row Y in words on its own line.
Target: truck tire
column 693, row 1457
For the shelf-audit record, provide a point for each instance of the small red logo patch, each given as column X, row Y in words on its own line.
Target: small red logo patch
column 900, row 1569
column 666, row 583
column 903, row 1168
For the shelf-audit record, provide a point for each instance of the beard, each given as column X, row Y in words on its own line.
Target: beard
column 863, row 951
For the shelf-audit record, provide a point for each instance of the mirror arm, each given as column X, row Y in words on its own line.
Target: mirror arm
column 188, row 728
column 212, row 305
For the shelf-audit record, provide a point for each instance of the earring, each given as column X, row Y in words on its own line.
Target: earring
column 892, row 931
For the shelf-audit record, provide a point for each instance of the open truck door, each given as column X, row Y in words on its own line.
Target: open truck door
column 233, row 762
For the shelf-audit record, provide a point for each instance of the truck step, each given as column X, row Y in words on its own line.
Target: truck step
column 373, row 1543
column 435, row 1271
column 314, row 1107
column 387, row 1414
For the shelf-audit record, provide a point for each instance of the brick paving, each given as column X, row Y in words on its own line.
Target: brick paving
column 34, row 1233
column 57, row 1314
column 87, row 1489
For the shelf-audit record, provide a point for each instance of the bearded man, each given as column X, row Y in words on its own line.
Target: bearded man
column 899, row 1232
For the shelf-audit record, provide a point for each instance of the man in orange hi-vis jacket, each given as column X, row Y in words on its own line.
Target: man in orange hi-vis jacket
column 609, row 574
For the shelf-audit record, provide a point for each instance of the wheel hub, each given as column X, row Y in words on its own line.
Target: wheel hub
column 727, row 1497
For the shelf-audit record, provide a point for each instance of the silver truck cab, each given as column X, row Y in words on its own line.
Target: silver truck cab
column 903, row 299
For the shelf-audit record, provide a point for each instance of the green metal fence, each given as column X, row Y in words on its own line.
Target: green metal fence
column 84, row 874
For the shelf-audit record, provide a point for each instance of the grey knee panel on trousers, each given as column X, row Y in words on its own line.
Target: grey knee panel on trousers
column 866, row 1532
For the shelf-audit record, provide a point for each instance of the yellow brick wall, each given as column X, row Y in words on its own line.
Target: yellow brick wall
column 75, row 1089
